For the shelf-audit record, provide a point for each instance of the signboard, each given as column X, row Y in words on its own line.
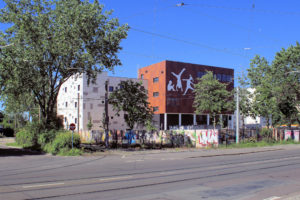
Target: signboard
column 72, row 126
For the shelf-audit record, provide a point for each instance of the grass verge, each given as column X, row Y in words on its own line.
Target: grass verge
column 256, row 144
column 13, row 144
column 70, row 152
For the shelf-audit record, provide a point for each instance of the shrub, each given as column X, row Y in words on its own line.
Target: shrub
column 250, row 140
column 47, row 137
column 70, row 152
column 265, row 132
column 26, row 138
column 63, row 140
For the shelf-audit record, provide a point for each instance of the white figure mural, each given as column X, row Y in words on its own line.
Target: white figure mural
column 189, row 83
column 178, row 77
column 170, row 86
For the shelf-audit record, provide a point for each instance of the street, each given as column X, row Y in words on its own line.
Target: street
column 253, row 173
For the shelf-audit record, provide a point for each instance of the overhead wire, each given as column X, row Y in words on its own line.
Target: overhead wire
column 241, row 27
column 248, row 9
column 189, row 42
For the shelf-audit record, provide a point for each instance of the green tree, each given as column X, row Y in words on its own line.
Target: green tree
column 89, row 124
column 49, row 41
column 286, row 75
column 133, row 100
column 262, row 81
column 277, row 86
column 212, row 97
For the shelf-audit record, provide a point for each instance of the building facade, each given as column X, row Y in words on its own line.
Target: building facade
column 170, row 91
column 79, row 102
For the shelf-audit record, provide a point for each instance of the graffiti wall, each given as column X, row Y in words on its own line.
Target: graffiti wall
column 175, row 138
column 207, row 138
column 288, row 134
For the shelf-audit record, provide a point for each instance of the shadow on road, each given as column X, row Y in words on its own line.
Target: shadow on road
column 6, row 152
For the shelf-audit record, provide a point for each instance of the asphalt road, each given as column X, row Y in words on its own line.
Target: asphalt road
column 264, row 173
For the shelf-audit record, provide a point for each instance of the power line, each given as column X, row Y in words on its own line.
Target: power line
column 248, row 9
column 235, row 25
column 189, row 42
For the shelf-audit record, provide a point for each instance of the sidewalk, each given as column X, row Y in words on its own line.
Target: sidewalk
column 198, row 152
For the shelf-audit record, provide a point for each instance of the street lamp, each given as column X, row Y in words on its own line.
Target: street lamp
column 237, row 129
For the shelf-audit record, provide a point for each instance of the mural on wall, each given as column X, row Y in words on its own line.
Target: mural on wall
column 207, row 138
column 289, row 135
column 175, row 138
column 170, row 86
column 178, row 77
column 189, row 83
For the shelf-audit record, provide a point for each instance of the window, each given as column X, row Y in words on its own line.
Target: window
column 91, row 106
column 78, row 87
column 66, row 89
column 200, row 74
column 111, row 88
column 155, row 79
column 155, row 94
column 83, row 105
column 95, row 89
column 75, row 104
column 155, row 108
column 219, row 77
column 229, row 78
column 172, row 101
column 142, row 76
column 66, row 104
column 111, row 117
column 75, row 120
column 102, row 101
column 65, row 119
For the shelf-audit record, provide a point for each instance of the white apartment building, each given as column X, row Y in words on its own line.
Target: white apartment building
column 78, row 102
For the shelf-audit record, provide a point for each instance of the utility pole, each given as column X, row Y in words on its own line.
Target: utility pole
column 106, row 115
column 78, row 97
column 39, row 114
column 237, row 116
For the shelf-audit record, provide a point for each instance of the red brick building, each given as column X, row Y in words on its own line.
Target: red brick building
column 170, row 91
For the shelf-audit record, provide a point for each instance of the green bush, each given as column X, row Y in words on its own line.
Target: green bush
column 63, row 140
column 26, row 138
column 250, row 140
column 47, row 137
column 70, row 152
column 265, row 132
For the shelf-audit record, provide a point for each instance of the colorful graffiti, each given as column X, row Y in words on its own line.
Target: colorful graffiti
column 207, row 138
column 289, row 134
column 175, row 138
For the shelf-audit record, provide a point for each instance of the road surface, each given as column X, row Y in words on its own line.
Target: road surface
column 257, row 173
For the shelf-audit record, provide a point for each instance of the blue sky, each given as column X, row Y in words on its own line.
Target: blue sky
column 211, row 32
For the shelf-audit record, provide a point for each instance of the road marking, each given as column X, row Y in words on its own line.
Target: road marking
column 131, row 161
column 171, row 158
column 163, row 173
column 115, row 178
column 123, row 156
column 272, row 198
column 43, row 185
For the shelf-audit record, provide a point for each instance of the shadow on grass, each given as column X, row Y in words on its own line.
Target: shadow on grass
column 6, row 152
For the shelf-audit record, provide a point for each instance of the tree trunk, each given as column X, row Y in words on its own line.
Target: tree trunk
column 214, row 121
